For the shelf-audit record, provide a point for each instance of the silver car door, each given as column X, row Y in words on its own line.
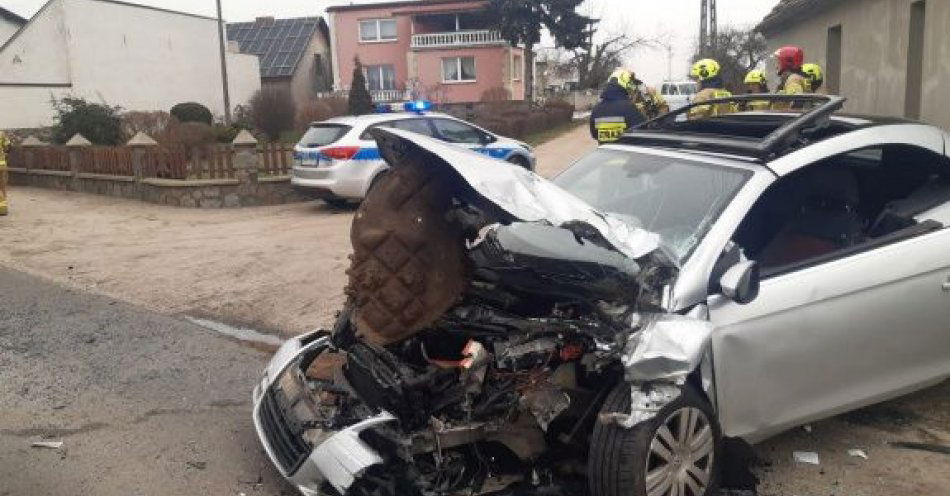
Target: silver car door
column 834, row 336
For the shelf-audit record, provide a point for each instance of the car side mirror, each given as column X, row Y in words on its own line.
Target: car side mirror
column 487, row 139
column 741, row 282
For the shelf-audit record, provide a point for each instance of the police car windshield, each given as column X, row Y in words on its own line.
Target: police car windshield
column 675, row 198
column 323, row 135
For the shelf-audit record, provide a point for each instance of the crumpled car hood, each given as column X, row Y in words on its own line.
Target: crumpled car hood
column 524, row 195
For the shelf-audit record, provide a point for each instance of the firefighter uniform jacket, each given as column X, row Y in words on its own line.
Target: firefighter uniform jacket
column 711, row 110
column 613, row 115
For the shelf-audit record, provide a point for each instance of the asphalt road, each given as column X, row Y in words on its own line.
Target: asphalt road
column 144, row 403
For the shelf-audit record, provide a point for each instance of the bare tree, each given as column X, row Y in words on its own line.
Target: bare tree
column 738, row 51
column 594, row 61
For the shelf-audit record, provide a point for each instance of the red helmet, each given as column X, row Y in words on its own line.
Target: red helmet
column 789, row 58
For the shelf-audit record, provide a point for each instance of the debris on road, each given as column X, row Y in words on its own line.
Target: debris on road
column 857, row 453
column 47, row 444
column 197, row 465
column 931, row 447
column 807, row 428
column 809, row 457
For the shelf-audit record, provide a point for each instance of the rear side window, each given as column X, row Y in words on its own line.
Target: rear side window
column 457, row 132
column 323, row 135
column 420, row 126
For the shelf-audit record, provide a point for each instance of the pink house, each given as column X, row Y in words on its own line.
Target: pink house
column 441, row 50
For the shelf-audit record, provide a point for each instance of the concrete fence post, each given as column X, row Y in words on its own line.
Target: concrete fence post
column 75, row 146
column 140, row 143
column 29, row 146
column 246, row 161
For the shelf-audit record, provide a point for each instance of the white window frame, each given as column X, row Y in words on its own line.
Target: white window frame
column 379, row 67
column 379, row 31
column 458, row 66
column 517, row 67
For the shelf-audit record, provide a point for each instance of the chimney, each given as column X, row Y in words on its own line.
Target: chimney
column 264, row 21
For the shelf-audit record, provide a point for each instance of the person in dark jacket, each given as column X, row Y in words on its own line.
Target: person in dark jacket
column 616, row 112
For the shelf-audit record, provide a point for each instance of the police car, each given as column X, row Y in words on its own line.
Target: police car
column 337, row 159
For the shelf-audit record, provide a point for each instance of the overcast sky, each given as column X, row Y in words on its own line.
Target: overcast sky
column 676, row 20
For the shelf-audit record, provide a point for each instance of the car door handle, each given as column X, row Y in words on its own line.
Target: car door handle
column 946, row 286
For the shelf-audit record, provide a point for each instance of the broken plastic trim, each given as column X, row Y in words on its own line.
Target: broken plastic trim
column 667, row 348
column 645, row 402
column 343, row 457
column 517, row 191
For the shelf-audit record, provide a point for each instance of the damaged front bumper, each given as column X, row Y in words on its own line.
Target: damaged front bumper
column 320, row 460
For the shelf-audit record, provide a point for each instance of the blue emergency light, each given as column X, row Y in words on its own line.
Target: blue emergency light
column 418, row 106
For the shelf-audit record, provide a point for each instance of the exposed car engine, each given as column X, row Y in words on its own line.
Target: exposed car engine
column 492, row 342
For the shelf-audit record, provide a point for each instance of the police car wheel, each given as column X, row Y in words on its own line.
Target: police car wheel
column 519, row 161
column 337, row 202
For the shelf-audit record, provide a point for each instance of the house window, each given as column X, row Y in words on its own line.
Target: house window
column 378, row 30
column 380, row 77
column 517, row 67
column 458, row 69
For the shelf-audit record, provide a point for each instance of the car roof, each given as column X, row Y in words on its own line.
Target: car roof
column 370, row 119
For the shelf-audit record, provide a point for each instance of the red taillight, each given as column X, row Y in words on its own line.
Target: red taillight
column 340, row 152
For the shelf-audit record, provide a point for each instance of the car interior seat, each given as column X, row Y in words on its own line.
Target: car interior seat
column 825, row 217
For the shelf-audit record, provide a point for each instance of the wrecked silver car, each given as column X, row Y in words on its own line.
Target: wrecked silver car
column 604, row 333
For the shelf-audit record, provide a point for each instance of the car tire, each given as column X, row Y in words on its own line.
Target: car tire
column 338, row 203
column 620, row 459
column 519, row 161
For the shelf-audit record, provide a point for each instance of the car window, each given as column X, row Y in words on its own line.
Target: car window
column 323, row 135
column 845, row 204
column 687, row 89
column 668, row 89
column 675, row 198
column 457, row 132
column 420, row 126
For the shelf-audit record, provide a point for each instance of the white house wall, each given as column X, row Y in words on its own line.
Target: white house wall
column 38, row 54
column 7, row 28
column 136, row 58
column 145, row 59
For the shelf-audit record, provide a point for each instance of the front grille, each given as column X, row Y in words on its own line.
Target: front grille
column 285, row 441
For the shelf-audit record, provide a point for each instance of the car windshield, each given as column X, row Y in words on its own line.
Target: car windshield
column 687, row 89
column 676, row 198
column 323, row 135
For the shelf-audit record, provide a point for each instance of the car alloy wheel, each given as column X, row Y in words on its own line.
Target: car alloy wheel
column 680, row 460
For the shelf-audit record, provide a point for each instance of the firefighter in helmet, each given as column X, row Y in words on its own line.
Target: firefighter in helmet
column 756, row 83
column 706, row 72
column 815, row 77
column 4, row 146
column 650, row 102
column 616, row 112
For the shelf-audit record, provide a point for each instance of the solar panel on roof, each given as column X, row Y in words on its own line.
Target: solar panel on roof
column 279, row 45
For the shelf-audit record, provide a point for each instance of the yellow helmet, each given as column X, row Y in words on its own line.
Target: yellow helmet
column 624, row 78
column 813, row 71
column 705, row 69
column 755, row 77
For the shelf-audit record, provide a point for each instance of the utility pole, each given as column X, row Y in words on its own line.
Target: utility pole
column 224, row 67
column 703, row 27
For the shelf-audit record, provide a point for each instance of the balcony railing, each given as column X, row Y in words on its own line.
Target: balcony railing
column 457, row 39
